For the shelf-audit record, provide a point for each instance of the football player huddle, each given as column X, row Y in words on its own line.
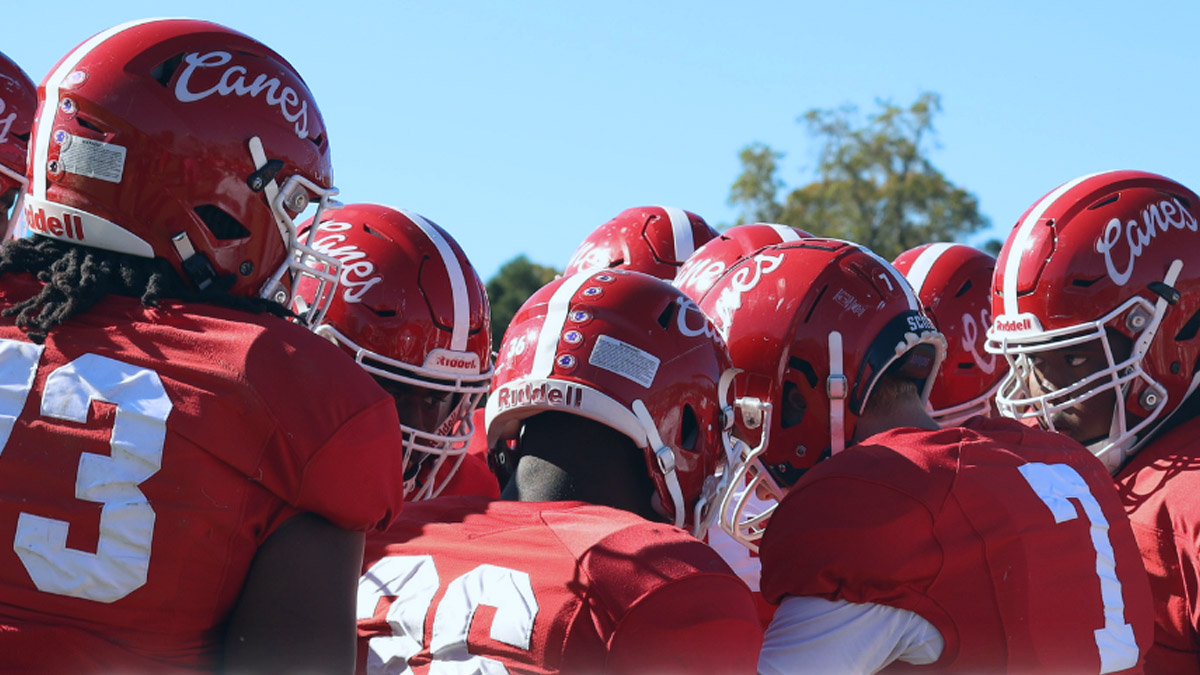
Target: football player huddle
column 756, row 450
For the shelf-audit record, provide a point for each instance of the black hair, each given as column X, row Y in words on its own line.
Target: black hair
column 76, row 277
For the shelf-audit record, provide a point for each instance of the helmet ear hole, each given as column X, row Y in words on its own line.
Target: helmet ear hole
column 689, row 429
column 794, row 406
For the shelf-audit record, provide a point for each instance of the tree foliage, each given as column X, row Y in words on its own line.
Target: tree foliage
column 874, row 185
column 514, row 282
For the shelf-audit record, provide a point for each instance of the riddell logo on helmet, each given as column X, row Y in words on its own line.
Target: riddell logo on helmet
column 68, row 226
column 545, row 393
column 1021, row 323
column 1012, row 326
column 452, row 361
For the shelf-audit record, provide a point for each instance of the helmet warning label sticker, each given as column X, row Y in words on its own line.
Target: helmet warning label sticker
column 624, row 359
column 92, row 158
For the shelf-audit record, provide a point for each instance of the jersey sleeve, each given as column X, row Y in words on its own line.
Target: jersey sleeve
column 356, row 479
column 670, row 604
column 700, row 624
column 816, row 635
column 336, row 448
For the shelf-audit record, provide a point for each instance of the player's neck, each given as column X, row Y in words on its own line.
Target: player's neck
column 905, row 411
column 539, row 480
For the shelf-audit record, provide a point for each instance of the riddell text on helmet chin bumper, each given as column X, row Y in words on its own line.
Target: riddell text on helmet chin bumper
column 1018, row 323
column 551, row 394
column 67, row 225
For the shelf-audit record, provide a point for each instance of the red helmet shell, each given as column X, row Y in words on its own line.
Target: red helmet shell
column 169, row 137
column 410, row 309
column 630, row 351
column 711, row 260
column 18, row 104
column 654, row 240
column 407, row 291
column 782, row 310
column 953, row 283
column 1112, row 251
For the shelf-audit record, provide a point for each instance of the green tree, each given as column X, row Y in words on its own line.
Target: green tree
column 756, row 188
column 514, row 282
column 875, row 183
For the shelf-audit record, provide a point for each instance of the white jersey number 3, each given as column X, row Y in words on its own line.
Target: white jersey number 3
column 1056, row 485
column 413, row 581
column 122, row 557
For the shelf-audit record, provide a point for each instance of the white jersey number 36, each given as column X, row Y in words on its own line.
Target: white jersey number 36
column 122, row 557
column 413, row 581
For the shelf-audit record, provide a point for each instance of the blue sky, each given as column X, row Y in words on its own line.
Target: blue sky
column 519, row 126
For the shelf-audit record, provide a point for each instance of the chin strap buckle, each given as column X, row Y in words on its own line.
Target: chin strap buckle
column 199, row 271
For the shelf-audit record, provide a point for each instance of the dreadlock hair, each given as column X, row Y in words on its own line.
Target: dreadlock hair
column 76, row 277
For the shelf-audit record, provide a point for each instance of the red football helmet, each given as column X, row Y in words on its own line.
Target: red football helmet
column 18, row 104
column 1114, row 251
column 410, row 309
column 183, row 140
column 709, row 261
column 813, row 325
column 631, row 352
column 953, row 283
column 654, row 240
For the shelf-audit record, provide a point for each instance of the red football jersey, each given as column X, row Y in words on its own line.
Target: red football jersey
column 147, row 453
column 1160, row 488
column 1011, row 541
column 549, row 587
column 472, row 478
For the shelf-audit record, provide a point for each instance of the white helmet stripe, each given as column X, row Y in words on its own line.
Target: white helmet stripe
column 785, row 232
column 552, row 327
column 896, row 279
column 41, row 143
column 458, row 282
column 924, row 263
column 681, row 228
column 1012, row 266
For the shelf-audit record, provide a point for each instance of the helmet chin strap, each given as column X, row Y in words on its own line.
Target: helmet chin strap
column 269, row 186
column 1127, row 444
column 835, row 388
column 666, row 459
